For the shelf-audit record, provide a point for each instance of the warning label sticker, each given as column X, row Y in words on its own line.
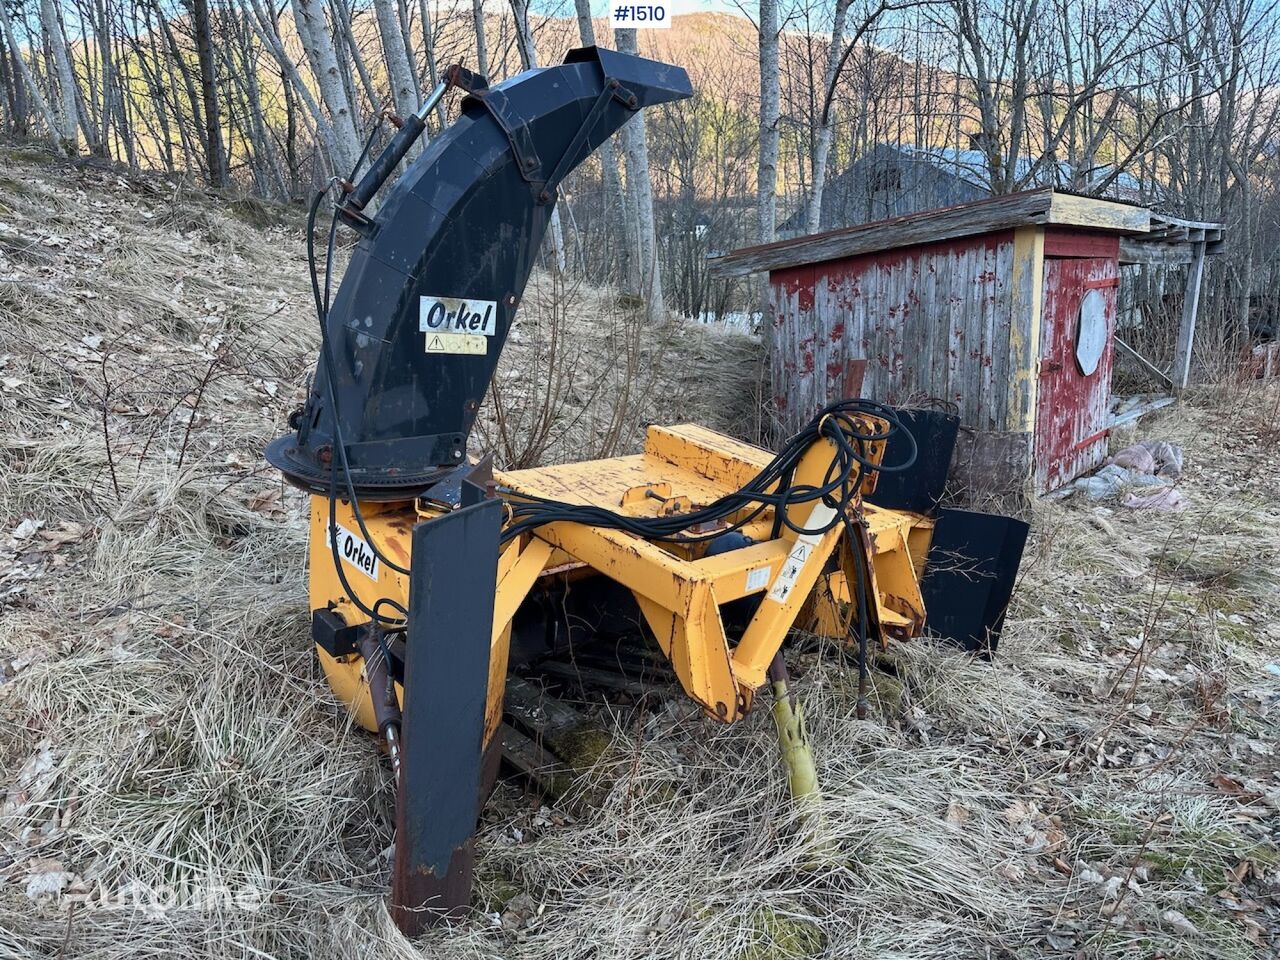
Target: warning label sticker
column 356, row 552
column 757, row 579
column 464, row 343
column 800, row 553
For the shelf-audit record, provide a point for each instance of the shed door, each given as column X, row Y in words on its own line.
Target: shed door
column 1078, row 322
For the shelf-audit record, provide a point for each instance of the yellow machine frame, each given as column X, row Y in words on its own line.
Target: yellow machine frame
column 679, row 590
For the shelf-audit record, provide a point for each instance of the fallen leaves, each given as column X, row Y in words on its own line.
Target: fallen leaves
column 957, row 815
column 25, row 530
column 1179, row 923
column 1040, row 834
column 46, row 878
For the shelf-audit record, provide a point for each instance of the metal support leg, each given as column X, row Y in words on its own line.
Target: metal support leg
column 446, row 679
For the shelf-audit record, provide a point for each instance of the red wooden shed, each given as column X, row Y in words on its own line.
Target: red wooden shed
column 1003, row 309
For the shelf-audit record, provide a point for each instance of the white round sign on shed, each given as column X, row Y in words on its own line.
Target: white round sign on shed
column 1091, row 331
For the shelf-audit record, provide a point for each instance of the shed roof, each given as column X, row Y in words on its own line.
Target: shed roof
column 1031, row 207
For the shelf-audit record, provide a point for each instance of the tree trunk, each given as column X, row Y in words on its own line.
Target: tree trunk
column 482, row 51
column 268, row 31
column 826, row 128
column 404, row 89
column 313, row 30
column 14, row 94
column 636, row 148
column 610, row 179
column 179, row 63
column 65, row 110
column 770, row 113
column 100, row 142
column 37, row 98
column 429, row 51
column 215, row 156
column 348, row 53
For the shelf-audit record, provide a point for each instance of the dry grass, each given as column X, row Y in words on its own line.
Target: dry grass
column 1108, row 786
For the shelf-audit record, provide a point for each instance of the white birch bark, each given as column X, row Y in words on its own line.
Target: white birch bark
column 482, row 48
column 640, row 188
column 269, row 34
column 770, row 111
column 404, row 90
column 313, row 30
column 826, row 128
column 65, row 103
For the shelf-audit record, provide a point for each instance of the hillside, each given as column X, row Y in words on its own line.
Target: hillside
column 179, row 780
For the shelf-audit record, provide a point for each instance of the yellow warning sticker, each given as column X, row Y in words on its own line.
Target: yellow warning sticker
column 470, row 344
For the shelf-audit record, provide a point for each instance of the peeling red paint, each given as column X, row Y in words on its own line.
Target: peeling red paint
column 1072, row 408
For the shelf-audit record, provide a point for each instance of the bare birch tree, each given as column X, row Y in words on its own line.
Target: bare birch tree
column 636, row 147
column 31, row 88
column 215, row 155
column 66, row 117
column 404, row 88
column 770, row 116
column 313, row 31
column 610, row 179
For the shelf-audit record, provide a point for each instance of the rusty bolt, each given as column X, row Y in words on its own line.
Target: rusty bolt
column 325, row 455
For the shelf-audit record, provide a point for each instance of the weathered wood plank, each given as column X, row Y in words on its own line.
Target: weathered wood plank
column 540, row 766
column 597, row 677
column 1026, row 285
column 1155, row 253
column 1068, row 210
column 929, row 322
column 540, row 712
column 931, row 226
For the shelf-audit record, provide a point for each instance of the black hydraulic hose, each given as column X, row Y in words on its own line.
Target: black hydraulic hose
column 838, row 490
column 863, row 620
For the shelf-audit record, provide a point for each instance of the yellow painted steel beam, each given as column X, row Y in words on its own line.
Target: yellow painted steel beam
column 679, row 590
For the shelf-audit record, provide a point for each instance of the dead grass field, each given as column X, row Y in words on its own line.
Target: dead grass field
column 1109, row 787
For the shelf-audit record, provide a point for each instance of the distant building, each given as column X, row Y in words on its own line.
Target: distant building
column 895, row 180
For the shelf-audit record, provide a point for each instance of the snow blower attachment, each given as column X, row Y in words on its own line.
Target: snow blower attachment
column 424, row 564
